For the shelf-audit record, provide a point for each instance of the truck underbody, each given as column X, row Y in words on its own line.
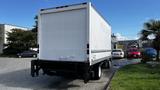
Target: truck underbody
column 61, row 68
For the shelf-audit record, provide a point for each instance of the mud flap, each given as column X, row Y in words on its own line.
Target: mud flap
column 86, row 75
column 34, row 68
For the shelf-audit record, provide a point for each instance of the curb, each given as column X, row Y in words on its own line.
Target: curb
column 110, row 78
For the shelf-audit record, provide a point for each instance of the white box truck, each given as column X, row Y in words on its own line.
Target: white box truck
column 72, row 39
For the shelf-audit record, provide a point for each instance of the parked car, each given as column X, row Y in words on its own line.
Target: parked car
column 117, row 53
column 133, row 53
column 27, row 54
column 133, row 46
column 148, row 54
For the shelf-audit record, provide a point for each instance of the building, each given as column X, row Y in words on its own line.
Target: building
column 126, row 44
column 114, row 41
column 4, row 29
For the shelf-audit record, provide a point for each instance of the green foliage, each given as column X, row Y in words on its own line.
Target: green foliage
column 20, row 40
column 152, row 27
column 137, row 77
column 35, row 29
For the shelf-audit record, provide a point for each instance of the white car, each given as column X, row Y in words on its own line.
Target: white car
column 117, row 53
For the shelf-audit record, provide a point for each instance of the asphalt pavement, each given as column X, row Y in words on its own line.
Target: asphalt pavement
column 15, row 75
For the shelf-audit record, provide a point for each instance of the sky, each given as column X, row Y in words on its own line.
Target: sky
column 126, row 17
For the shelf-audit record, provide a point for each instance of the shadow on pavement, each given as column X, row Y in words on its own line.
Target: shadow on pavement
column 23, row 79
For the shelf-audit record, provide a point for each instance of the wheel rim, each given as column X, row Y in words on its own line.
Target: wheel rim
column 109, row 63
column 99, row 71
column 34, row 55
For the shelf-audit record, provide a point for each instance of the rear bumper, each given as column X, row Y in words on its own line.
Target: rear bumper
column 117, row 56
column 134, row 56
column 58, row 67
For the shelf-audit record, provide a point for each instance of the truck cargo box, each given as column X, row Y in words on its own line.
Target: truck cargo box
column 70, row 36
column 66, row 34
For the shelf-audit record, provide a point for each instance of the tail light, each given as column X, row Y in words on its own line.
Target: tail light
column 139, row 53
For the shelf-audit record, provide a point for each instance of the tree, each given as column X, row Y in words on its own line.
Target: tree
column 20, row 40
column 35, row 27
column 35, row 30
column 152, row 29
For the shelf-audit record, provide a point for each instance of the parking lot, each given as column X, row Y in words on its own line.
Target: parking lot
column 15, row 75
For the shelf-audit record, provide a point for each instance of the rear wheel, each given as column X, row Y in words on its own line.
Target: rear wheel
column 97, row 72
column 109, row 64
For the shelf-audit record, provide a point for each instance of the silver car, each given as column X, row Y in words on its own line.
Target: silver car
column 117, row 53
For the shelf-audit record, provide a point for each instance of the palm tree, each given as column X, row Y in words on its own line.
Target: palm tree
column 152, row 29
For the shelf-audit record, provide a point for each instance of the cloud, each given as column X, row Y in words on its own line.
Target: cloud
column 120, row 37
column 136, row 38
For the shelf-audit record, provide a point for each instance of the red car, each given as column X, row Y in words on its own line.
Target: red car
column 133, row 53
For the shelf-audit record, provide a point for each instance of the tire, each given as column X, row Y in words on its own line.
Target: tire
column 86, row 77
column 34, row 56
column 97, row 72
column 109, row 64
